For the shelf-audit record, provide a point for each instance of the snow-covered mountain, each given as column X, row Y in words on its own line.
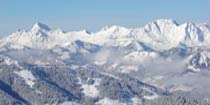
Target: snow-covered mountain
column 162, row 62
column 160, row 34
column 199, row 61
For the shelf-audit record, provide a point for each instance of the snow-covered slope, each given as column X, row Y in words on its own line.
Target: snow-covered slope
column 59, row 84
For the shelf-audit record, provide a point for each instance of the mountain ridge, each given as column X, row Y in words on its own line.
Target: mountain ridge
column 161, row 34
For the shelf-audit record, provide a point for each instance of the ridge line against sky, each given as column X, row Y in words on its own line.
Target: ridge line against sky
column 94, row 14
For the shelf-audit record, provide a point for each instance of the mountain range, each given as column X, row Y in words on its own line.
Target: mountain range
column 160, row 34
column 162, row 63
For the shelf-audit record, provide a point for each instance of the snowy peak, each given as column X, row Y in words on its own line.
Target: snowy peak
column 199, row 61
column 166, row 21
column 40, row 27
column 113, row 27
column 114, row 31
column 160, row 25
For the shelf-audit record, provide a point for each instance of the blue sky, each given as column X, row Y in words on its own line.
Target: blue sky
column 95, row 14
